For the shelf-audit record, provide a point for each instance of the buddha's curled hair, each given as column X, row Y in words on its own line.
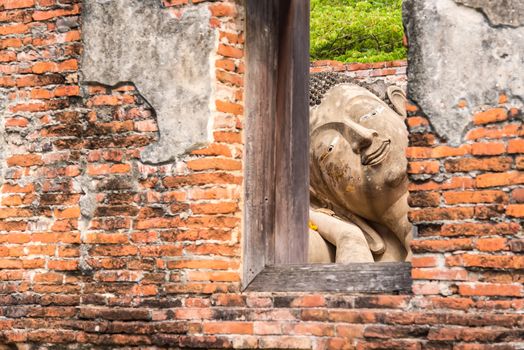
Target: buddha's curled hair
column 321, row 83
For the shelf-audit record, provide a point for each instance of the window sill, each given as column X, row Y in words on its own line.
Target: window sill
column 373, row 278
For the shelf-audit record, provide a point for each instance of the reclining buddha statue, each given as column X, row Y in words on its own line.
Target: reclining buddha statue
column 358, row 178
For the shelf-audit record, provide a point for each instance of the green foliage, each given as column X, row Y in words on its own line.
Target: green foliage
column 357, row 30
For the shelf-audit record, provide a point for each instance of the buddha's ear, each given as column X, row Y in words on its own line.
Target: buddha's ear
column 398, row 99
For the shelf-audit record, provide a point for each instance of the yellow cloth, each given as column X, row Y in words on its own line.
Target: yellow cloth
column 312, row 225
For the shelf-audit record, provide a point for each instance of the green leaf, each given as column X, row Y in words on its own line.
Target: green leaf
column 357, row 30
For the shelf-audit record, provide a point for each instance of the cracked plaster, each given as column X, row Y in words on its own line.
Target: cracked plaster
column 456, row 54
column 499, row 12
column 166, row 57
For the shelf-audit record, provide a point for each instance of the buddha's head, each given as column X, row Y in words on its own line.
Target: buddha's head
column 357, row 153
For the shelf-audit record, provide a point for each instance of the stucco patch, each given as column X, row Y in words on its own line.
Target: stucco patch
column 456, row 54
column 167, row 58
column 500, row 12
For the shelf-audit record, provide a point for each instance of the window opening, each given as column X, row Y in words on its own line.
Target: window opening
column 343, row 144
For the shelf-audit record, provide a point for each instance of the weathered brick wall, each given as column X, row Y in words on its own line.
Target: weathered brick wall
column 392, row 72
column 100, row 251
column 466, row 203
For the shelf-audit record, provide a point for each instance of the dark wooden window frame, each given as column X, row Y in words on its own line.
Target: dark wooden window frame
column 276, row 181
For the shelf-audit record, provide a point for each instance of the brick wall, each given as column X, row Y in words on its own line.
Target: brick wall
column 393, row 72
column 100, row 251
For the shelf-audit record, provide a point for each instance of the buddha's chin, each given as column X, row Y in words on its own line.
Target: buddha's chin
column 395, row 174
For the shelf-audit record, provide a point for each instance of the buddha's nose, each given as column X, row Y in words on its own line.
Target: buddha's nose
column 358, row 136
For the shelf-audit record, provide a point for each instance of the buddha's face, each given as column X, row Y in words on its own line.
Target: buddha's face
column 357, row 155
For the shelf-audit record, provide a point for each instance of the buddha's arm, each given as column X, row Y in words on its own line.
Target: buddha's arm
column 396, row 219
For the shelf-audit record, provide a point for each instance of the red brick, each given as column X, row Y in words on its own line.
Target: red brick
column 475, row 197
column 226, row 64
column 214, row 149
column 230, row 51
column 441, row 245
column 491, row 244
column 202, row 264
column 265, row 328
column 10, row 43
column 480, row 229
column 67, row 213
column 515, row 210
column 446, row 151
column 13, row 29
column 215, row 208
column 213, row 276
column 516, row 146
column 438, row 214
column 285, row 342
column 16, row 4
column 453, row 303
column 517, row 195
column 488, row 289
column 146, row 126
column 490, row 116
column 519, row 163
column 233, row 300
column 169, row 3
column 453, row 183
column 213, row 249
column 230, row 78
column 494, row 132
column 310, row 328
column 6, row 81
column 16, row 122
column 24, row 160
column 486, row 261
column 161, row 250
column 63, row 265
column 110, row 238
column 309, row 301
column 73, row 35
column 46, row 15
column 227, row 137
column 228, row 107
column 223, row 10
column 424, row 261
column 67, row 91
column 428, row 167
column 488, row 148
column 44, row 67
column 104, row 169
column 41, row 94
column 232, row 38
column 14, row 213
column 414, row 122
column 471, row 164
column 439, row 274
column 494, row 180
column 214, row 163
column 424, row 199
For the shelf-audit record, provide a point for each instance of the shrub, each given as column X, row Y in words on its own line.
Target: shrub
column 357, row 30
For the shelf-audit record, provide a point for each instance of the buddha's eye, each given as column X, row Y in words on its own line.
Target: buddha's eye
column 371, row 114
column 327, row 151
column 368, row 116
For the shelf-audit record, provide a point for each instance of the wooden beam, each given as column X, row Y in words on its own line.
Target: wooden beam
column 370, row 278
column 290, row 243
column 259, row 144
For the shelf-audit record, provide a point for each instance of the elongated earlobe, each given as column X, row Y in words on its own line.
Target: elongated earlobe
column 398, row 99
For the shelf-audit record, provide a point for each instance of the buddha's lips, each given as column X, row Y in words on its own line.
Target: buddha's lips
column 376, row 156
